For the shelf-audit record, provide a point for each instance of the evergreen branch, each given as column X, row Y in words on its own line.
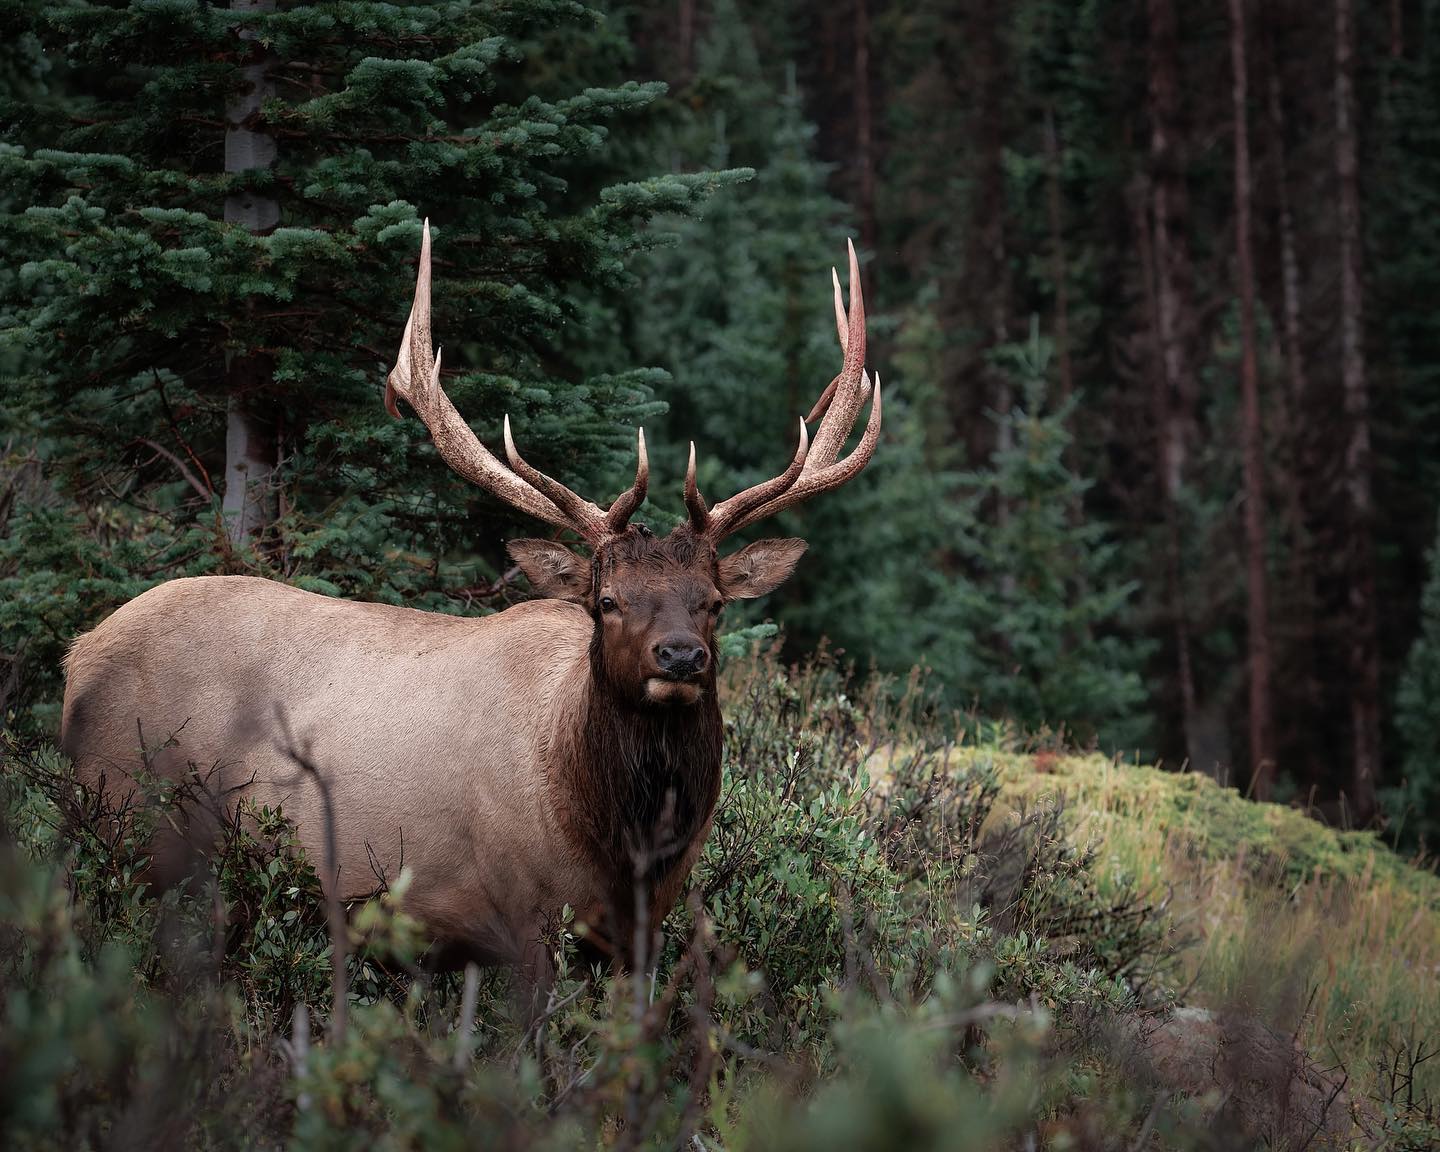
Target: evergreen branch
column 369, row 138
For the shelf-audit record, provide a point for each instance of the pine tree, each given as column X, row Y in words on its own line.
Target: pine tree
column 1262, row 752
column 1036, row 619
column 152, row 313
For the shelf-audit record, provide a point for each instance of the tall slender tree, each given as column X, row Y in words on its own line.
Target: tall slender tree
column 864, row 126
column 1297, row 615
column 251, row 441
column 1175, row 321
column 1262, row 752
column 991, row 256
column 1030, row 622
column 1059, row 260
column 1414, row 801
column 1364, row 652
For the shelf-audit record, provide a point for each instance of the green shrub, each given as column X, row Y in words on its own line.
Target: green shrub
column 876, row 949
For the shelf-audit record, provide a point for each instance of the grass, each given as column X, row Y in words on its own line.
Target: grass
column 1322, row 932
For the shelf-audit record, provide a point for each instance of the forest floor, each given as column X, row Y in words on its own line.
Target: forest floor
column 891, row 929
column 1323, row 933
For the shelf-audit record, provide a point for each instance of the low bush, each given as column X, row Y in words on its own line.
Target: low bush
column 889, row 942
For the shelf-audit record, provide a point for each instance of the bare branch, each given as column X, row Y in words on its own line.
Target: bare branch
column 180, row 466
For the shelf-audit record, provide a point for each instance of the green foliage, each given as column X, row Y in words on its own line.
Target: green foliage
column 127, row 298
column 874, row 941
column 814, row 869
column 1034, row 617
column 79, row 1040
column 101, row 1038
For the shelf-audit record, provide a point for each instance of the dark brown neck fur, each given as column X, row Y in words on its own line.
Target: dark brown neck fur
column 640, row 783
column 635, row 780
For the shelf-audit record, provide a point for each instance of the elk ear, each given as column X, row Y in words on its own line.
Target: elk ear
column 553, row 570
column 759, row 568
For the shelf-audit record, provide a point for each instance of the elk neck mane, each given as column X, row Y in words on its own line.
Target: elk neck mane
column 627, row 776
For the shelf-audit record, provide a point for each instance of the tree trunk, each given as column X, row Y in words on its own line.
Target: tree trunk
column 1175, row 328
column 250, row 443
column 1289, row 252
column 991, row 212
column 1289, row 260
column 1160, row 410
column 1296, row 436
column 864, row 127
column 1059, row 265
column 1060, row 274
column 1364, row 650
column 1262, row 753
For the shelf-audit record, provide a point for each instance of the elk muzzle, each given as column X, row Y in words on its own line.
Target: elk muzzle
column 681, row 657
column 681, row 660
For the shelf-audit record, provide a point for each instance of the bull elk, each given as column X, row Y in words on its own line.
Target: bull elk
column 515, row 763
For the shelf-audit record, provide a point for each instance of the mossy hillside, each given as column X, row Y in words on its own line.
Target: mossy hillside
column 1216, row 822
column 1324, row 931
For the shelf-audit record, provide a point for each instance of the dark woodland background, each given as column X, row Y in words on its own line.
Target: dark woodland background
column 1152, row 292
column 1152, row 289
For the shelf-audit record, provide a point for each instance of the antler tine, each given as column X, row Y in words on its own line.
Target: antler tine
column 694, row 502
column 819, row 469
column 626, row 503
column 842, row 329
column 729, row 512
column 585, row 517
column 813, row 483
column 847, row 393
column 415, row 343
column 416, row 380
column 822, row 405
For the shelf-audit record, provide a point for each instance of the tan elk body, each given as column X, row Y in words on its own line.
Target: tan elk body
column 552, row 754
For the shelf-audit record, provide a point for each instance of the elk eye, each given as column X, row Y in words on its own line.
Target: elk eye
column 607, row 604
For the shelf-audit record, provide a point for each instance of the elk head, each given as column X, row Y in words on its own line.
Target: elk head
column 655, row 600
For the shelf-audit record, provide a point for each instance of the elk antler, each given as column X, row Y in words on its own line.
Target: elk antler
column 416, row 380
column 816, row 467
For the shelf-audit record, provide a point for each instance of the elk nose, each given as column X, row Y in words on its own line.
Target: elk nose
column 681, row 657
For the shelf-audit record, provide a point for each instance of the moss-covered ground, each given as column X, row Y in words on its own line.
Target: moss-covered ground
column 1322, row 930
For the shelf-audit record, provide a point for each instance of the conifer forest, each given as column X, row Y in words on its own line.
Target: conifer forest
column 1079, row 790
